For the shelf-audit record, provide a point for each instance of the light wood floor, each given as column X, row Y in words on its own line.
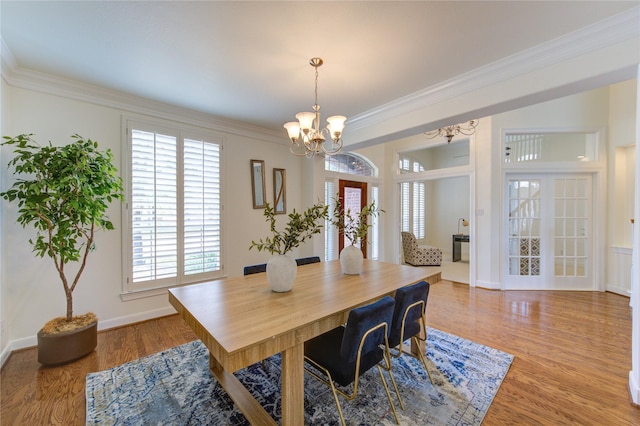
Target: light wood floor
column 572, row 358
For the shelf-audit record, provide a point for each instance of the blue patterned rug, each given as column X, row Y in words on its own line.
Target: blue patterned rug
column 175, row 387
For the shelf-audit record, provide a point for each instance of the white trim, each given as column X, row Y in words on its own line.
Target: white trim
column 135, row 318
column 24, row 78
column 490, row 285
column 599, row 35
column 634, row 389
column 628, row 251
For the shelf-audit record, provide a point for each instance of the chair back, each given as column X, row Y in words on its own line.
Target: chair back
column 409, row 243
column 255, row 269
column 411, row 302
column 362, row 320
column 307, row 260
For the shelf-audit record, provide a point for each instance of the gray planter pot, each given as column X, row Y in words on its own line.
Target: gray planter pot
column 68, row 345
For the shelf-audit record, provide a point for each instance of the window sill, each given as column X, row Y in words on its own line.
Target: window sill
column 159, row 291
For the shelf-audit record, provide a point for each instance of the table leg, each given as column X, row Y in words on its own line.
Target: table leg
column 293, row 385
column 246, row 403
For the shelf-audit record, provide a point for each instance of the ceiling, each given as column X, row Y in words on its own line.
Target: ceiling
column 248, row 61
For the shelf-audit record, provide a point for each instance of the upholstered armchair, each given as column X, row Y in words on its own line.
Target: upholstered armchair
column 417, row 255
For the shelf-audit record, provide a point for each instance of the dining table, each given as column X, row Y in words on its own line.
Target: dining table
column 242, row 322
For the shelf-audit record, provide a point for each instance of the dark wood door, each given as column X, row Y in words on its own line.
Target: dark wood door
column 353, row 195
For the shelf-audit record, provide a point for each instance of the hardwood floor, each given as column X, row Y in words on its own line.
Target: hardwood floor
column 572, row 358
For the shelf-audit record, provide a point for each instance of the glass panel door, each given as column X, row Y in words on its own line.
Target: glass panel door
column 549, row 228
column 524, row 224
column 572, row 232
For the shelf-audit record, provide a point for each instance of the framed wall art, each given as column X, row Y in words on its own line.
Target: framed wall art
column 257, row 184
column 279, row 191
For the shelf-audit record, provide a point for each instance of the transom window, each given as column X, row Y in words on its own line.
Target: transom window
column 349, row 163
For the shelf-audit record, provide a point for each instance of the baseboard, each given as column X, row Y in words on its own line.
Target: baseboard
column 618, row 290
column 488, row 285
column 131, row 319
column 14, row 345
column 634, row 388
column 32, row 341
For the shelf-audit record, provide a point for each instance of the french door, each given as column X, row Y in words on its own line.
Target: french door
column 353, row 196
column 548, row 232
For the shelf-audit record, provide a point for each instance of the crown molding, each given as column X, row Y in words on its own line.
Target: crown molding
column 24, row 78
column 602, row 34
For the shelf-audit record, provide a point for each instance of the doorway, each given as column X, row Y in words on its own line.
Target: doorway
column 353, row 196
column 549, row 232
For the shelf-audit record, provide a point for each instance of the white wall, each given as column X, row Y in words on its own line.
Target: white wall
column 588, row 110
column 31, row 284
column 621, row 187
column 448, row 201
column 4, row 115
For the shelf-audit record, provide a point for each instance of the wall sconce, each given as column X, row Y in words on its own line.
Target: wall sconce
column 464, row 223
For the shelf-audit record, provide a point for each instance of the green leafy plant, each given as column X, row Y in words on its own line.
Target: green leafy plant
column 300, row 227
column 64, row 196
column 353, row 225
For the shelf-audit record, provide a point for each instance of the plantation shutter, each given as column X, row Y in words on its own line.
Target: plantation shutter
column 174, row 207
column 201, row 207
column 405, row 212
column 418, row 209
column 374, row 237
column 154, row 205
column 331, row 232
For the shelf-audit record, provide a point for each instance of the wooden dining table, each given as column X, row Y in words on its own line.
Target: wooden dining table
column 241, row 321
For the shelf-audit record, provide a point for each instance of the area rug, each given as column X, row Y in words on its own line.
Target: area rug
column 175, row 387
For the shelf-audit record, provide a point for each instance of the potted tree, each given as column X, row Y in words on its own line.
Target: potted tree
column 355, row 228
column 64, row 196
column 281, row 269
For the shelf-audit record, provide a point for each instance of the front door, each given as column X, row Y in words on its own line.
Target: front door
column 549, row 232
column 353, row 196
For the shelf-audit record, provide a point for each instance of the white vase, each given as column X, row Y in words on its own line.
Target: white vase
column 281, row 273
column 351, row 260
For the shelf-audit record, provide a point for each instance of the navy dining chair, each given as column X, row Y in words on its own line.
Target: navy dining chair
column 307, row 260
column 255, row 269
column 409, row 321
column 340, row 356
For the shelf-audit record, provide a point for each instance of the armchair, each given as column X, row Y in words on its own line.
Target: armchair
column 417, row 255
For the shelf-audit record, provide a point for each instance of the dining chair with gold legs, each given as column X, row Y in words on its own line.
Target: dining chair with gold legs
column 409, row 321
column 340, row 356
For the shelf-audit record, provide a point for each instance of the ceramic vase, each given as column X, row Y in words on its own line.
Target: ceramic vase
column 281, row 273
column 351, row 260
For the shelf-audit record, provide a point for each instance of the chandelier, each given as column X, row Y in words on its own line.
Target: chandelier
column 450, row 131
column 307, row 138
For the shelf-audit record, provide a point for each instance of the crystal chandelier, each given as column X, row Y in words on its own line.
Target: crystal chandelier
column 307, row 138
column 450, row 131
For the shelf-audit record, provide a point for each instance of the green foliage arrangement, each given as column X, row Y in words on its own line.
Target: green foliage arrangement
column 300, row 227
column 64, row 196
column 354, row 226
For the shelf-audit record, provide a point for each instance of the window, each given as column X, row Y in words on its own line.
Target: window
column 412, row 199
column 173, row 208
column 330, row 234
column 350, row 164
column 550, row 147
